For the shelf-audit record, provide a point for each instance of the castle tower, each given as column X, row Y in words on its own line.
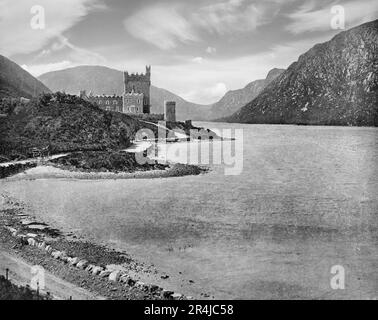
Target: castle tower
column 138, row 84
column 170, row 111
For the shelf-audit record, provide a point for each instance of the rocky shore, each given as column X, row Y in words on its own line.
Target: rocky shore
column 96, row 268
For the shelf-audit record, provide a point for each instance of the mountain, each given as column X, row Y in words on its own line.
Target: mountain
column 334, row 83
column 15, row 82
column 103, row 80
column 236, row 99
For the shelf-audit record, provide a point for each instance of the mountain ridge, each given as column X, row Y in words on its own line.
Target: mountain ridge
column 233, row 100
column 334, row 83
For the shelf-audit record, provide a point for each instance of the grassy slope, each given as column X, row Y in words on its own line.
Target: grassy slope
column 63, row 122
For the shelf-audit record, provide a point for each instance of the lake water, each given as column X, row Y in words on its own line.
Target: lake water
column 306, row 201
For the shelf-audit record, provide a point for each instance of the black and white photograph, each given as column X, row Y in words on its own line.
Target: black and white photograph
column 188, row 153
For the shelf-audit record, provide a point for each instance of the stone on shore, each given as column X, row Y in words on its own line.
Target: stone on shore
column 64, row 257
column 48, row 249
column 167, row 294
column 126, row 279
column 12, row 230
column 89, row 268
column 56, row 254
column 73, row 261
column 32, row 235
column 31, row 242
column 97, row 270
column 82, row 264
column 105, row 273
column 42, row 245
column 176, row 296
column 154, row 288
column 114, row 276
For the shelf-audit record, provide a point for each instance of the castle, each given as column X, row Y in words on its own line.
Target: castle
column 135, row 98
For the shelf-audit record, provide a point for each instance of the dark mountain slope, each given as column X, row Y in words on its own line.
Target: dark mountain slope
column 15, row 82
column 334, row 83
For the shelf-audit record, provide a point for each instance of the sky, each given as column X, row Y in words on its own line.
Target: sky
column 198, row 49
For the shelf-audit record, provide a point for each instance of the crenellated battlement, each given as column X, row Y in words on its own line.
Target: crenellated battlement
column 137, row 85
column 136, row 77
column 133, row 94
column 104, row 96
column 144, row 77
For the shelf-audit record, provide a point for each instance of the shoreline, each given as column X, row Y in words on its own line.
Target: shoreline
column 52, row 171
column 93, row 267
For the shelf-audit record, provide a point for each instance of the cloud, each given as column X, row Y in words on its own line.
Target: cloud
column 37, row 70
column 197, row 60
column 310, row 18
column 162, row 25
column 166, row 26
column 232, row 16
column 212, row 93
column 211, row 50
column 16, row 33
column 74, row 56
column 79, row 55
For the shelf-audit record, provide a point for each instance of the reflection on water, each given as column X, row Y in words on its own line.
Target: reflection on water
column 306, row 201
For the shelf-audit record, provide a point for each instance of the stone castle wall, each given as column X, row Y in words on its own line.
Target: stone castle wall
column 109, row 103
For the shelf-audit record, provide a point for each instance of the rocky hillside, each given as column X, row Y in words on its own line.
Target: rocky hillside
column 64, row 123
column 334, row 83
column 15, row 82
column 236, row 99
column 103, row 80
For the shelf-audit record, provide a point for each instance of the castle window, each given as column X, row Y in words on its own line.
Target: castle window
column 100, row 102
column 115, row 102
column 107, row 102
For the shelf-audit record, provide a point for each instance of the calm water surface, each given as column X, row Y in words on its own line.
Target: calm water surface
column 306, row 201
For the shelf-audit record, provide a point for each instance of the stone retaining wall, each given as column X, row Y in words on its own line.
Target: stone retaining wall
column 37, row 241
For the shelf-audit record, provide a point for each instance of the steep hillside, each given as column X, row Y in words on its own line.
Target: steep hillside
column 103, row 80
column 15, row 82
column 334, row 83
column 236, row 99
column 64, row 123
